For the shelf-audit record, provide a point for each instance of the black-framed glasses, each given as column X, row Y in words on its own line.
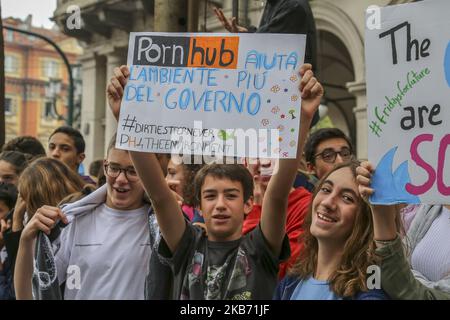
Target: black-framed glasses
column 329, row 155
column 113, row 171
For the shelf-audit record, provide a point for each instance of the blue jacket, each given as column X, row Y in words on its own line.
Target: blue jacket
column 286, row 288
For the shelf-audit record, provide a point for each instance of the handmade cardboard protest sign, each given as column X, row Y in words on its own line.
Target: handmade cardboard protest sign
column 408, row 91
column 212, row 94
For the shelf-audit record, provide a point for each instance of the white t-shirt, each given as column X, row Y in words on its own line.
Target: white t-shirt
column 105, row 254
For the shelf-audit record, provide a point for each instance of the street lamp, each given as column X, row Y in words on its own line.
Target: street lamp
column 66, row 62
column 77, row 105
column 52, row 91
column 77, row 95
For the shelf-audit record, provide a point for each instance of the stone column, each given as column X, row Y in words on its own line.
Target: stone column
column 113, row 59
column 93, row 106
column 358, row 89
column 193, row 15
column 170, row 16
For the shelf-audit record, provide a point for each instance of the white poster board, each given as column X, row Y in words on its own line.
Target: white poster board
column 408, row 92
column 213, row 94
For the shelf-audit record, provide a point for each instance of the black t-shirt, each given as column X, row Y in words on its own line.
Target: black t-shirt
column 291, row 16
column 244, row 269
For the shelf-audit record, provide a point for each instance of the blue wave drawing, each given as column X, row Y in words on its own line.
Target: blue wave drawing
column 390, row 187
column 447, row 64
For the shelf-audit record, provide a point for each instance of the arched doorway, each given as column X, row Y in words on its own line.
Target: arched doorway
column 335, row 70
column 341, row 52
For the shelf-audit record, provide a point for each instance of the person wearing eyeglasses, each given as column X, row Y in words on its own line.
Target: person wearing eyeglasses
column 104, row 250
column 325, row 148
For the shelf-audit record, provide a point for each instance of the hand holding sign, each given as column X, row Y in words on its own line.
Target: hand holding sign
column 364, row 176
column 311, row 91
column 384, row 217
column 115, row 89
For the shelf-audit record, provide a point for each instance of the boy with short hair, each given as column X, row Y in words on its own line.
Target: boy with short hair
column 221, row 263
column 325, row 148
column 67, row 144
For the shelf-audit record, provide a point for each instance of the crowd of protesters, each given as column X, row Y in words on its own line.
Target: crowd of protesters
column 213, row 231
column 141, row 226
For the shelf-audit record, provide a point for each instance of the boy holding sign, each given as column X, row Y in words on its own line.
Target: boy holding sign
column 223, row 264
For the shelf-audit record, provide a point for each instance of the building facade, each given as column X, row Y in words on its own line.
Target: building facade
column 106, row 25
column 36, row 80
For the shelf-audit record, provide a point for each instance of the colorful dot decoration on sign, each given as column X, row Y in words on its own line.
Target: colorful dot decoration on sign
column 223, row 135
column 275, row 110
column 291, row 112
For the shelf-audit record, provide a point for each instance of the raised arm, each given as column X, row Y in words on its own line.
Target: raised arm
column 229, row 24
column 274, row 209
column 397, row 278
column 385, row 227
column 168, row 213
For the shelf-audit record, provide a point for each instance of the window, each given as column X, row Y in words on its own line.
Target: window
column 11, row 64
column 9, row 106
column 9, row 36
column 76, row 72
column 50, row 69
column 47, row 111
